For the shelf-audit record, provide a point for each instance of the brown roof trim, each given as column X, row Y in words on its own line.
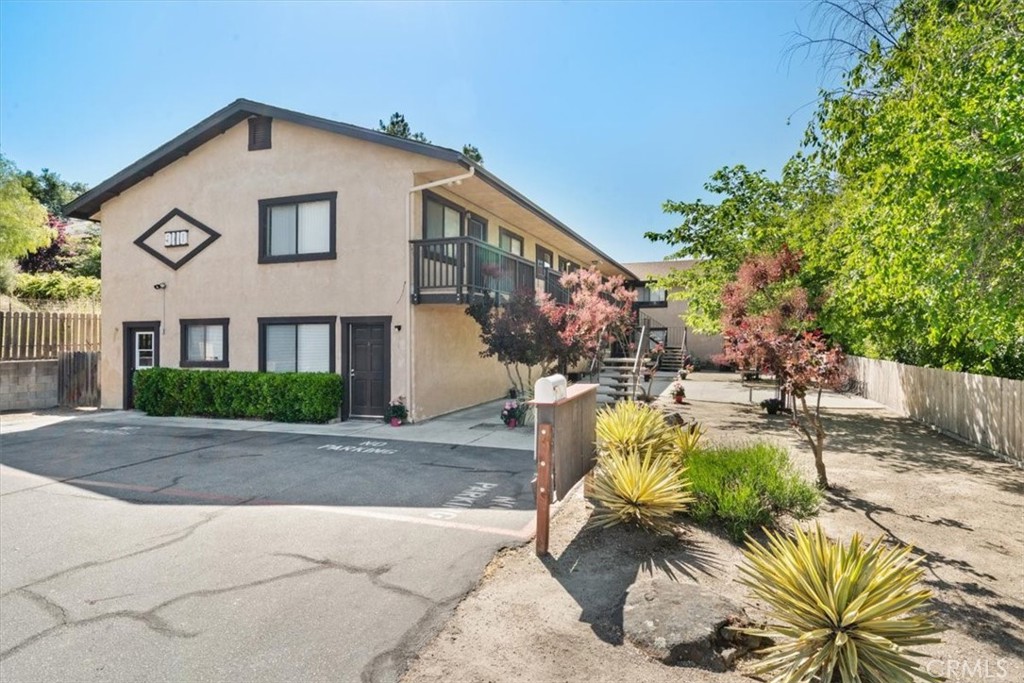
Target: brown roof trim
column 89, row 203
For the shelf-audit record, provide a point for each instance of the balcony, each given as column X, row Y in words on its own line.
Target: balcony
column 456, row 270
column 553, row 286
column 646, row 296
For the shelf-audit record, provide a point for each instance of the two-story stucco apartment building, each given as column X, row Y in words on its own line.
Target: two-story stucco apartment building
column 266, row 239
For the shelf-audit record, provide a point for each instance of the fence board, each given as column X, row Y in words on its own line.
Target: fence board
column 36, row 335
column 77, row 372
column 986, row 411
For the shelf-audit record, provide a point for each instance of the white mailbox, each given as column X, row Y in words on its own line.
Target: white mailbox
column 549, row 389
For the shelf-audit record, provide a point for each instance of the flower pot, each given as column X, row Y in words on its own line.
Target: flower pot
column 396, row 422
column 678, row 399
column 512, row 423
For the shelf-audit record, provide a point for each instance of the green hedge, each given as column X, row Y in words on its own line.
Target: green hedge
column 284, row 397
column 55, row 286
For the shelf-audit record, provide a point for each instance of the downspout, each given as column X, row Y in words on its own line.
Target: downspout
column 410, row 359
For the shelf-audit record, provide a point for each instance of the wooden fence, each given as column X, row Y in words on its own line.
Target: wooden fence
column 565, row 450
column 78, row 379
column 39, row 335
column 986, row 411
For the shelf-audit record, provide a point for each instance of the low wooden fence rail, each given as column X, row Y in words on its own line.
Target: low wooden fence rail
column 985, row 411
column 36, row 335
column 565, row 449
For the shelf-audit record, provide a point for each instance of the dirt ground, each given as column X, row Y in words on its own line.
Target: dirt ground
column 560, row 618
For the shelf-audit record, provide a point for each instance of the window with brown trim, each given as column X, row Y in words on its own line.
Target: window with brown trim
column 545, row 260
column 510, row 241
column 297, row 344
column 476, row 226
column 298, row 228
column 567, row 266
column 441, row 218
column 204, row 343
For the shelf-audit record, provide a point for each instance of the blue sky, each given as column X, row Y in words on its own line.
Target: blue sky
column 597, row 111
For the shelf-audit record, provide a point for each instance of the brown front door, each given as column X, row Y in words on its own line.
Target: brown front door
column 369, row 375
column 141, row 352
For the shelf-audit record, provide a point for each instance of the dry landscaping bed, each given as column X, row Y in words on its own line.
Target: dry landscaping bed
column 560, row 618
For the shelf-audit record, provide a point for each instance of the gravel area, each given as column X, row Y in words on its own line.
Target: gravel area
column 560, row 618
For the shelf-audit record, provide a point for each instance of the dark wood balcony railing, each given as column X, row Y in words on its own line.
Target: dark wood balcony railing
column 457, row 269
column 553, row 286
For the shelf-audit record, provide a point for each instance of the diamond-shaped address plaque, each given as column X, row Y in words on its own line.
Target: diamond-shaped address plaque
column 176, row 238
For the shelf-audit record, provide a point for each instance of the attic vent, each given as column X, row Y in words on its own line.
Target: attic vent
column 259, row 132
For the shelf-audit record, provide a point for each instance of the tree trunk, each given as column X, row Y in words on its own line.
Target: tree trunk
column 816, row 440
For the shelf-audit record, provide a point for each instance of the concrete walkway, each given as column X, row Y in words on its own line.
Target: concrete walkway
column 476, row 426
column 726, row 387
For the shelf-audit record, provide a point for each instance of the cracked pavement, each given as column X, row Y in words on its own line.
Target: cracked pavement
column 165, row 553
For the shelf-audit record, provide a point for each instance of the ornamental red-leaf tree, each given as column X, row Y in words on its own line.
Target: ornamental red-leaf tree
column 519, row 335
column 600, row 309
column 526, row 333
column 769, row 326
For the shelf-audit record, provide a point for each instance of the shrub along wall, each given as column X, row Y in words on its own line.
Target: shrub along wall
column 284, row 397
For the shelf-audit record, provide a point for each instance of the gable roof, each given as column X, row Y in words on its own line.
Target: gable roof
column 89, row 203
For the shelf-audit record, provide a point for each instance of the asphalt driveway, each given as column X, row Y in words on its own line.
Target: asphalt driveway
column 132, row 552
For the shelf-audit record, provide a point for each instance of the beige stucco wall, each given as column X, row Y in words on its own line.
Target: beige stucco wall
column 435, row 360
column 700, row 346
column 220, row 185
column 450, row 374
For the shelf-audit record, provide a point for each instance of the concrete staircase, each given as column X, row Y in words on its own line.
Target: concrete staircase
column 672, row 359
column 615, row 380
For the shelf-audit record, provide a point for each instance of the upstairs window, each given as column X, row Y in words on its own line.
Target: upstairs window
column 204, row 343
column 476, row 227
column 567, row 266
column 441, row 219
column 301, row 228
column 510, row 242
column 545, row 260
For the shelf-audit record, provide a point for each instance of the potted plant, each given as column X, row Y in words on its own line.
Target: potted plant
column 686, row 366
column 678, row 391
column 396, row 412
column 774, row 406
column 512, row 413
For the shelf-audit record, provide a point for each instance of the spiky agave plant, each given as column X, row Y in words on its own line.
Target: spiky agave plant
column 685, row 439
column 839, row 611
column 633, row 425
column 640, row 487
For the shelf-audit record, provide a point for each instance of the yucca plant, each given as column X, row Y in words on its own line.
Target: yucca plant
column 839, row 612
column 640, row 487
column 685, row 439
column 633, row 425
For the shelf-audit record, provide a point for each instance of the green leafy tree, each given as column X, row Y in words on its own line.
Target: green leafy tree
column 472, row 153
column 908, row 200
column 399, row 128
column 50, row 190
column 23, row 220
column 755, row 214
column 926, row 240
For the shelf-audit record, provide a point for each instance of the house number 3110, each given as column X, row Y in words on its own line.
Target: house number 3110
column 176, row 238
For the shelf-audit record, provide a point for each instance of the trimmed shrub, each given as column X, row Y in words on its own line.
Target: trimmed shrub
column 283, row 397
column 55, row 286
column 746, row 487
